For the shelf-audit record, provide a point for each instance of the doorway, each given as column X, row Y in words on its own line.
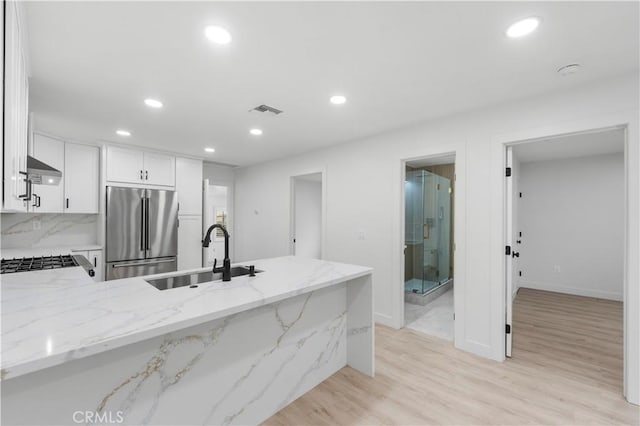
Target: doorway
column 307, row 217
column 429, row 211
column 216, row 209
column 565, row 251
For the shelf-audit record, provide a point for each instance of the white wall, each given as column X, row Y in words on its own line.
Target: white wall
column 308, row 218
column 364, row 187
column 218, row 174
column 572, row 220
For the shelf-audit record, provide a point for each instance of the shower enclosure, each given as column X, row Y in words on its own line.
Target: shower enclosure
column 427, row 231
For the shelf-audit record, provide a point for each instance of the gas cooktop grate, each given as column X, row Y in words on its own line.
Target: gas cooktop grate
column 36, row 263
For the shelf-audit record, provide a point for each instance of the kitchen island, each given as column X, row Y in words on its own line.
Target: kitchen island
column 220, row 353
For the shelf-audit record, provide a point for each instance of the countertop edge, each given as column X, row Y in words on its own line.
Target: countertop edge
column 17, row 370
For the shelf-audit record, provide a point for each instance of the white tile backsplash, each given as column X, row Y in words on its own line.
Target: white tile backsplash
column 24, row 230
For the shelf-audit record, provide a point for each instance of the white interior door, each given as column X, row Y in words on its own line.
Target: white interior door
column 307, row 216
column 511, row 250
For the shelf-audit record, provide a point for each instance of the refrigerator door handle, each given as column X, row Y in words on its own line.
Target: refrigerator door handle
column 142, row 239
column 126, row 265
column 146, row 225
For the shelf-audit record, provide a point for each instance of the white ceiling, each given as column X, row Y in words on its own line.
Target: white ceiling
column 569, row 146
column 93, row 63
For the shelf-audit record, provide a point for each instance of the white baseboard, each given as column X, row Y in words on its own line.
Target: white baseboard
column 384, row 320
column 578, row 291
column 476, row 348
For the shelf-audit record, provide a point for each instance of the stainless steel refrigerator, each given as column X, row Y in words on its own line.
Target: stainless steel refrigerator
column 141, row 233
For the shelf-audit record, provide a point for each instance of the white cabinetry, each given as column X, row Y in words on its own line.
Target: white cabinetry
column 189, row 186
column 81, row 178
column 159, row 169
column 49, row 198
column 138, row 167
column 189, row 242
column 124, row 165
column 95, row 257
column 16, row 112
column 78, row 191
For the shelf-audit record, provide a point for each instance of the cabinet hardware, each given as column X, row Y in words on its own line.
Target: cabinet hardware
column 67, row 203
column 29, row 187
column 146, row 175
column 128, row 265
column 140, row 174
column 95, row 262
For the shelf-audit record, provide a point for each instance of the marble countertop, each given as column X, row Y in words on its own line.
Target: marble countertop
column 52, row 317
column 46, row 251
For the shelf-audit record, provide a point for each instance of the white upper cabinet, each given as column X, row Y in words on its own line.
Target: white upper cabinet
column 189, row 186
column 138, row 167
column 48, row 198
column 159, row 169
column 81, row 178
column 124, row 165
column 79, row 188
column 16, row 189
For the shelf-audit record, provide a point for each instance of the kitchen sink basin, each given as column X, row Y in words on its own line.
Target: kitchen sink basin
column 194, row 279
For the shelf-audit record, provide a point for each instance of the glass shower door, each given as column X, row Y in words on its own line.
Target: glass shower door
column 431, row 233
column 443, row 202
column 414, row 240
column 427, row 231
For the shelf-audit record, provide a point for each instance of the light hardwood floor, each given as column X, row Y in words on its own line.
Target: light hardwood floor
column 566, row 369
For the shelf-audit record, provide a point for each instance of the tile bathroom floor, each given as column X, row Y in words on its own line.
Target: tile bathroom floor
column 435, row 318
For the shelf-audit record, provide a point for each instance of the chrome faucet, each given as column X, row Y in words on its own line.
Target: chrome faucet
column 226, row 266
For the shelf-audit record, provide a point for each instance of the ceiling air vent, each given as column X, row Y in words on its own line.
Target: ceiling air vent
column 267, row 108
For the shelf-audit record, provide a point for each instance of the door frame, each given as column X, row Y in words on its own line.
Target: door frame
column 631, row 294
column 459, row 251
column 292, row 210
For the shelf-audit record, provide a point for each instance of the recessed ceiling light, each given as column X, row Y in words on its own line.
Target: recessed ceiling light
column 256, row 132
column 153, row 103
column 569, row 69
column 217, row 34
column 337, row 99
column 523, row 27
column 123, row 133
column 210, row 149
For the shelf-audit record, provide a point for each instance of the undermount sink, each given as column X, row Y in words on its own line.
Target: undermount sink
column 196, row 278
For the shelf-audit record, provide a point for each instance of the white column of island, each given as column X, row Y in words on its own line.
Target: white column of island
column 124, row 352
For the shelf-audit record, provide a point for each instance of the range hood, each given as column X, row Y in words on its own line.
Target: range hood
column 40, row 173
